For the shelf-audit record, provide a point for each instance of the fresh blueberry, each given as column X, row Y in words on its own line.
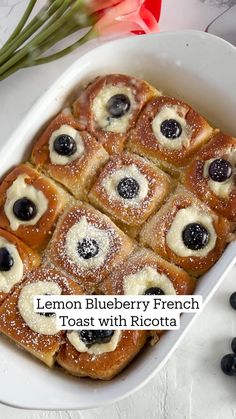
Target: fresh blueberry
column 89, row 337
column 47, row 314
column 228, row 364
column 65, row 145
column 171, row 129
column 154, row 291
column 6, row 260
column 88, row 248
column 118, row 105
column 220, row 170
column 232, row 300
column 233, row 345
column 195, row 236
column 24, row 209
column 128, row 188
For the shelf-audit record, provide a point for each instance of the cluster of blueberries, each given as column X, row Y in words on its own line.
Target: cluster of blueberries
column 228, row 362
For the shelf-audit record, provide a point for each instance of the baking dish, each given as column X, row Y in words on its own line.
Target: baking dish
column 196, row 67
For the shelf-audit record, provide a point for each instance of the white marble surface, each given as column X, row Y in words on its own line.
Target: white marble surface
column 191, row 385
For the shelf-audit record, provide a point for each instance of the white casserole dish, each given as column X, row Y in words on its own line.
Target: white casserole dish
column 191, row 65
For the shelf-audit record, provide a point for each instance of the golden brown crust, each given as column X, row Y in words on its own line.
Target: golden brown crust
column 183, row 283
column 220, row 146
column 155, row 231
column 78, row 175
column 30, row 258
column 36, row 236
column 106, row 365
column 143, row 141
column 141, row 258
column 130, row 217
column 43, row 347
column 120, row 245
column 112, row 142
column 84, row 178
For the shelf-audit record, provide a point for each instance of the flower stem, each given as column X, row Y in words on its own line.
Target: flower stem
column 55, row 24
column 12, row 70
column 21, row 24
column 39, row 20
column 29, row 62
column 56, row 37
column 87, row 37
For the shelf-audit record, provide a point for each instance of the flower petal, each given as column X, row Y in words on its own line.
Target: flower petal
column 126, row 16
column 97, row 5
column 110, row 21
column 149, row 19
column 154, row 6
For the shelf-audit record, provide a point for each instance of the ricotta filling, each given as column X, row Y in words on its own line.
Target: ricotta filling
column 36, row 322
column 111, row 182
column 96, row 348
column 20, row 189
column 148, row 277
column 9, row 278
column 177, row 113
column 84, row 230
column 101, row 115
column 184, row 217
column 64, row 160
column 221, row 189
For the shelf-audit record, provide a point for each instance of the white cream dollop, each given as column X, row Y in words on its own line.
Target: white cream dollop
column 221, row 189
column 36, row 322
column 184, row 217
column 102, row 117
column 96, row 348
column 84, row 230
column 20, row 189
column 171, row 112
column 111, row 182
column 9, row 278
column 148, row 277
column 63, row 160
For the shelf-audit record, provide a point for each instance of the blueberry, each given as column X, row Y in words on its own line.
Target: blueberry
column 118, row 105
column 233, row 345
column 195, row 236
column 88, row 248
column 89, row 337
column 220, row 170
column 232, row 300
column 171, row 129
column 154, row 291
column 24, row 209
column 6, row 260
column 128, row 188
column 228, row 364
column 47, row 314
column 65, row 145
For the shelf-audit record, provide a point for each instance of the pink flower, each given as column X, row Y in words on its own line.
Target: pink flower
column 128, row 16
column 97, row 5
column 154, row 6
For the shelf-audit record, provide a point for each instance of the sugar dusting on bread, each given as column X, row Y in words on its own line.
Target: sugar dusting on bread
column 131, row 194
